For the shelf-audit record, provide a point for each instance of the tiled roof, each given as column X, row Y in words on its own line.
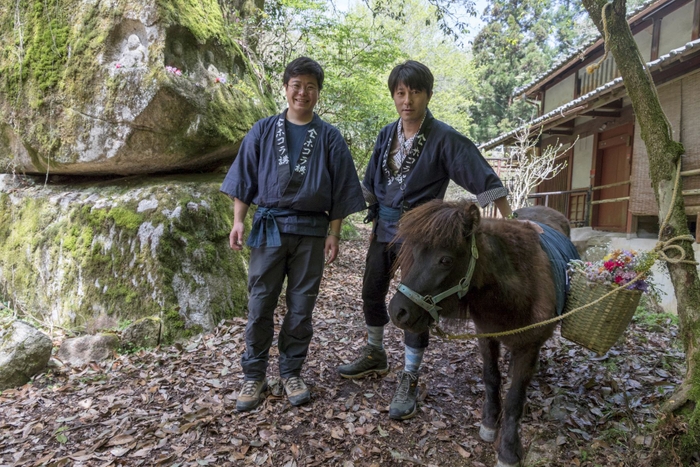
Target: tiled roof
column 559, row 63
column 673, row 55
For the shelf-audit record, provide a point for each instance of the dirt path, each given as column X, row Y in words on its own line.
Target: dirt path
column 175, row 406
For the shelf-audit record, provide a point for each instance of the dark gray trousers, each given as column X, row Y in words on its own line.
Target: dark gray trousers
column 300, row 258
column 375, row 286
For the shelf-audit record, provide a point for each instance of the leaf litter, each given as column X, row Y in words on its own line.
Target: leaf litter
column 175, row 406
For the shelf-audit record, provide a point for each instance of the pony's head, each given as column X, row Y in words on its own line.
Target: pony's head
column 434, row 260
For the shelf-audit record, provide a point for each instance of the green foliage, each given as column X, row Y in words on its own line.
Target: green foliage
column 125, row 218
column 357, row 55
column 456, row 85
column 358, row 49
column 39, row 49
column 520, row 41
column 348, row 231
column 197, row 16
column 649, row 318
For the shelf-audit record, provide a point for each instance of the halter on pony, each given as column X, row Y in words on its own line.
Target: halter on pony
column 429, row 303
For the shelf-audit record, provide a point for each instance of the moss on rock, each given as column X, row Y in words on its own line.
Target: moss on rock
column 78, row 96
column 126, row 249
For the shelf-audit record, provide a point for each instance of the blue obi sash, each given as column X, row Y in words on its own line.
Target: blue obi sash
column 389, row 214
column 560, row 251
column 266, row 231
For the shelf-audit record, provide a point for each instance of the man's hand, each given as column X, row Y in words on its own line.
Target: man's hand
column 236, row 236
column 332, row 248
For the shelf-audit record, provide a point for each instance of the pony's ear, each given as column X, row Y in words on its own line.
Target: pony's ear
column 473, row 217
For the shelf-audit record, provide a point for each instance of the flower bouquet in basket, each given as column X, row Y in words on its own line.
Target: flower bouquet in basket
column 603, row 297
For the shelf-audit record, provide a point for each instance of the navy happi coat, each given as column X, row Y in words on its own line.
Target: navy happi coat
column 323, row 185
column 439, row 153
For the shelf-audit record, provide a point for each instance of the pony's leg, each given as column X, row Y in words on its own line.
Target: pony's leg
column 510, row 449
column 491, row 410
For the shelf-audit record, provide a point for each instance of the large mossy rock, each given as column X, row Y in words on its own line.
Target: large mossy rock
column 123, row 87
column 24, row 351
column 125, row 249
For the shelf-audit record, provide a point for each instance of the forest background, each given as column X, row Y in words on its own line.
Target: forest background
column 478, row 52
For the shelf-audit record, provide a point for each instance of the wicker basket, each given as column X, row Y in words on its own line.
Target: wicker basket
column 599, row 326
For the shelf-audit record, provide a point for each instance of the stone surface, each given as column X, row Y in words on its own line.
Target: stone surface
column 542, row 452
column 143, row 333
column 123, row 87
column 82, row 350
column 24, row 351
column 126, row 249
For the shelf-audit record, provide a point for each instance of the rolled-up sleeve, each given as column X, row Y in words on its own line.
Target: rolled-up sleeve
column 470, row 170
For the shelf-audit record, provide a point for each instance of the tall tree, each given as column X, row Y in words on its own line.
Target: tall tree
column 358, row 48
column 520, row 40
column 355, row 50
column 664, row 160
column 456, row 84
column 357, row 55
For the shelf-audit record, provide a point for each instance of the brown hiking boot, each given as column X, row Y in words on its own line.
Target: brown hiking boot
column 296, row 390
column 251, row 395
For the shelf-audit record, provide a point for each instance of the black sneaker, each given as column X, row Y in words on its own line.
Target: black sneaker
column 371, row 361
column 403, row 405
column 251, row 395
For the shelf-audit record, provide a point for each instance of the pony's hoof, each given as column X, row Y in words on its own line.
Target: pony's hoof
column 488, row 435
column 503, row 464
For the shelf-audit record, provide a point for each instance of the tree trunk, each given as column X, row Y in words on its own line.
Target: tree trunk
column 664, row 154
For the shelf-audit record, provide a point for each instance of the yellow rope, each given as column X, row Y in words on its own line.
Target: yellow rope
column 660, row 249
column 590, row 69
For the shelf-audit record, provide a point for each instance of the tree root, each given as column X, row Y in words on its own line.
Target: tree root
column 678, row 399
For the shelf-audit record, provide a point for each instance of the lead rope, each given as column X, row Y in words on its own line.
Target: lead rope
column 660, row 250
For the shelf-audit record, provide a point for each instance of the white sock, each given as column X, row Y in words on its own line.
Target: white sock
column 375, row 336
column 413, row 359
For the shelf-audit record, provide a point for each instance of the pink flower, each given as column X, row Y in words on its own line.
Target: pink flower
column 118, row 65
column 173, row 70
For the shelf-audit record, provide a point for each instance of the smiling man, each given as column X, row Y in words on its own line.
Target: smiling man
column 413, row 161
column 298, row 170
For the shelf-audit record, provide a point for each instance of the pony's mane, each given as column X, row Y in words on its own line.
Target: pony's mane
column 446, row 223
column 435, row 224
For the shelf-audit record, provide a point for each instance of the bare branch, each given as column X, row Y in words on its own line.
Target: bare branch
column 528, row 167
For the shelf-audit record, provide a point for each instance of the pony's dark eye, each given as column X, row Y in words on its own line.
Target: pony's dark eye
column 446, row 261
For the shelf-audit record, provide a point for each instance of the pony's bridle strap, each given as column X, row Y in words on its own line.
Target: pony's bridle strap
column 429, row 303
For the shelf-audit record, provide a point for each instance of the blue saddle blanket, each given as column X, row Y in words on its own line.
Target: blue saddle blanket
column 560, row 251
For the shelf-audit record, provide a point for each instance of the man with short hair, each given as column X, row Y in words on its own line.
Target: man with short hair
column 413, row 161
column 299, row 172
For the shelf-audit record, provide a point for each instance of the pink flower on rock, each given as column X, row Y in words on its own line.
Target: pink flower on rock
column 173, row 70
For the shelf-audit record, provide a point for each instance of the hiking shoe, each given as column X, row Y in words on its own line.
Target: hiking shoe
column 251, row 395
column 403, row 405
column 371, row 360
column 296, row 390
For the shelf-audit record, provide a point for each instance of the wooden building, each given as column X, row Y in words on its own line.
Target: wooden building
column 606, row 184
